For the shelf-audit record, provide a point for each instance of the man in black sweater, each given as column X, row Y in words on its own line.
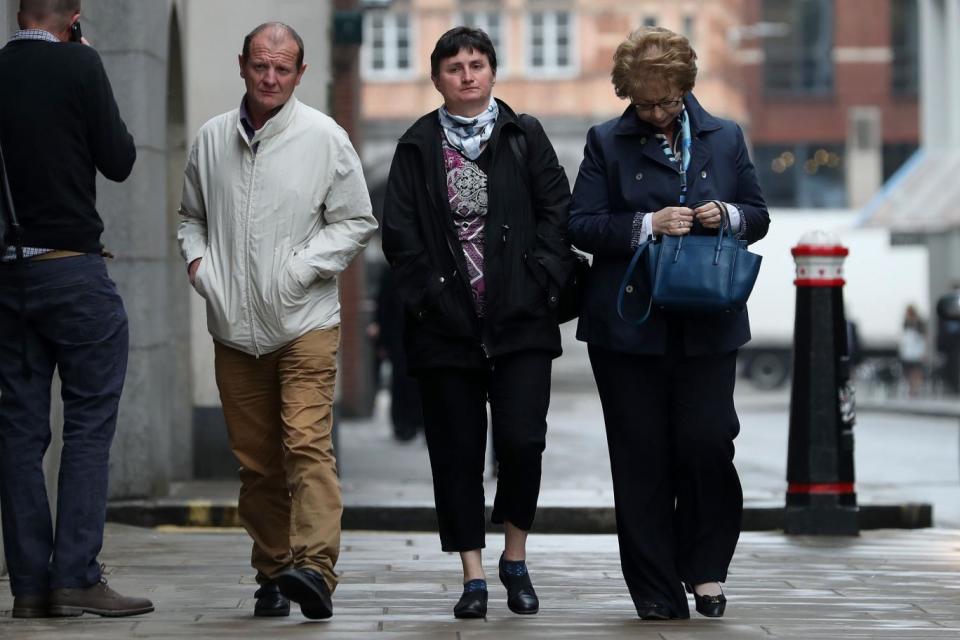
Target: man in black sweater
column 59, row 124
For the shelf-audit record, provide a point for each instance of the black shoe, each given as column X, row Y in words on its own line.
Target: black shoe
column 521, row 598
column 710, row 606
column 307, row 588
column 648, row 610
column 270, row 602
column 472, row 604
column 36, row 606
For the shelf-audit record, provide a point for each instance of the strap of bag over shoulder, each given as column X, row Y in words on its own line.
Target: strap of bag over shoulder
column 627, row 277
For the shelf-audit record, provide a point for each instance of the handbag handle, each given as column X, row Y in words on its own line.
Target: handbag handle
column 724, row 229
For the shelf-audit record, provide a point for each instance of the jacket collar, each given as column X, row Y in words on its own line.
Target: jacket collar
column 700, row 120
column 701, row 123
column 425, row 131
column 275, row 125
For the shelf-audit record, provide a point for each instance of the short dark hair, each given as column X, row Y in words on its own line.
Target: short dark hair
column 266, row 25
column 41, row 10
column 457, row 39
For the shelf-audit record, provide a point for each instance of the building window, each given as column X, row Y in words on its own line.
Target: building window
column 894, row 155
column 905, row 36
column 801, row 61
column 802, row 175
column 491, row 23
column 550, row 44
column 386, row 44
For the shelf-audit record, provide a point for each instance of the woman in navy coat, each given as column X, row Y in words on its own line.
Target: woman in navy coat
column 666, row 387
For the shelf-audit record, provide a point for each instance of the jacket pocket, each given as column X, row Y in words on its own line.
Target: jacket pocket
column 294, row 280
column 198, row 278
column 445, row 308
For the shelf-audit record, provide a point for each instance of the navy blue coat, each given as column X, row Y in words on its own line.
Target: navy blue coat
column 624, row 171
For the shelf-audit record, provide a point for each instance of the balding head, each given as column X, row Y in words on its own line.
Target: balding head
column 51, row 15
column 277, row 32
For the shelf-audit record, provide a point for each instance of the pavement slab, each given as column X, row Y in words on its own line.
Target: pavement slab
column 396, row 585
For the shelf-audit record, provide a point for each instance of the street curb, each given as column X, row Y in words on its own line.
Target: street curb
column 206, row 513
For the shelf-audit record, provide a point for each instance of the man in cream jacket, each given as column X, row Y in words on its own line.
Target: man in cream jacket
column 274, row 207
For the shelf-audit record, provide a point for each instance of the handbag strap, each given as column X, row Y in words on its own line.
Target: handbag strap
column 627, row 276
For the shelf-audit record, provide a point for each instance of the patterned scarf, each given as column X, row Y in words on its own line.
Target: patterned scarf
column 467, row 135
column 685, row 141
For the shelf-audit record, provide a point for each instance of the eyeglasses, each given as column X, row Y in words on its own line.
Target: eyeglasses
column 666, row 105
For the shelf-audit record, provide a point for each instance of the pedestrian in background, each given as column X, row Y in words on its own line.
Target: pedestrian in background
column 912, row 349
column 666, row 387
column 474, row 226
column 406, row 410
column 275, row 207
column 59, row 309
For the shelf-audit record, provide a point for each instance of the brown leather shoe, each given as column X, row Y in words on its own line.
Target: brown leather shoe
column 99, row 599
column 33, row 606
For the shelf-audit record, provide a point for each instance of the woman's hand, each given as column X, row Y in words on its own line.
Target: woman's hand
column 672, row 221
column 709, row 215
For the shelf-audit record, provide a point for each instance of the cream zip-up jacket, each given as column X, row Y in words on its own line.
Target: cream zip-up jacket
column 274, row 219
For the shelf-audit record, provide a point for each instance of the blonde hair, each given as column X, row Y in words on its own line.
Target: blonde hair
column 653, row 55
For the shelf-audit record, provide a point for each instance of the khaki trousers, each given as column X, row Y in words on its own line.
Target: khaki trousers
column 278, row 410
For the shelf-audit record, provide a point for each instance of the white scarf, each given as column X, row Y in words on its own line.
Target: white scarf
column 468, row 135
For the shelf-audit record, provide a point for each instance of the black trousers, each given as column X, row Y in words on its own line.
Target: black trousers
column 670, row 424
column 517, row 387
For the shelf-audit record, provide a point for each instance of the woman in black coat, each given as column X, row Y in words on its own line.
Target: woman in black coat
column 666, row 387
column 474, row 226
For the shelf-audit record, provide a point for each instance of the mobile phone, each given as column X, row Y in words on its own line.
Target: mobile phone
column 75, row 34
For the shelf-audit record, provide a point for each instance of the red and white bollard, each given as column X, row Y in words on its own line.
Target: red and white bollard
column 821, row 498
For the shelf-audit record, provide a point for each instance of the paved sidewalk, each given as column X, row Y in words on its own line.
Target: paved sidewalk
column 886, row 584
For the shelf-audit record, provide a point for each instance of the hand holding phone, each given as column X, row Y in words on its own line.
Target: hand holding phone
column 76, row 35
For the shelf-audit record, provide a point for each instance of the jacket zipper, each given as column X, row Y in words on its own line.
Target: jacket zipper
column 246, row 256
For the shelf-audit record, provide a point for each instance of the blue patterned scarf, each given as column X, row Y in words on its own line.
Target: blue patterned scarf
column 468, row 135
column 685, row 141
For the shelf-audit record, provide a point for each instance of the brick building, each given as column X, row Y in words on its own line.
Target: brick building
column 831, row 90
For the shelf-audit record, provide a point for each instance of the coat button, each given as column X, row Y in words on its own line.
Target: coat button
column 442, row 279
column 629, row 288
column 643, row 141
column 639, row 176
column 553, row 298
column 703, row 174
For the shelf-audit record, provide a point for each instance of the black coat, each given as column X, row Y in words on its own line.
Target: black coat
column 526, row 254
column 624, row 171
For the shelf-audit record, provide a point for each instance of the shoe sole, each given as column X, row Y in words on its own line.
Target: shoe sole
column 64, row 611
column 295, row 588
column 522, row 612
column 718, row 614
column 469, row 616
column 272, row 613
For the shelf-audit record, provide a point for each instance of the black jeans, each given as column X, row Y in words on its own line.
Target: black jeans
column 455, row 420
column 76, row 323
column 670, row 424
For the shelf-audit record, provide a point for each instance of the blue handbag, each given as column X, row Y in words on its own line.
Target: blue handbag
column 696, row 274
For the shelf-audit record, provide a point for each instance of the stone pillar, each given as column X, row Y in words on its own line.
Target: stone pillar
column 864, row 155
column 132, row 39
column 355, row 379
